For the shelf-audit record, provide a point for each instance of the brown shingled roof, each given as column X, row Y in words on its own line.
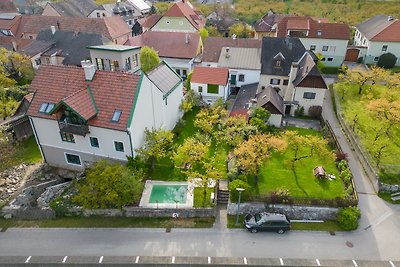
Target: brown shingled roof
column 7, row 6
column 169, row 44
column 150, row 21
column 210, row 75
column 111, row 90
column 110, row 27
column 327, row 30
column 185, row 9
column 213, row 46
column 11, row 24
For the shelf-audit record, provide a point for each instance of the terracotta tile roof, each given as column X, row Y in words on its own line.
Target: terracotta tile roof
column 390, row 34
column 7, row 6
column 110, row 27
column 326, row 30
column 111, row 91
column 11, row 23
column 82, row 102
column 169, row 44
column 213, row 46
column 210, row 75
column 150, row 21
column 185, row 9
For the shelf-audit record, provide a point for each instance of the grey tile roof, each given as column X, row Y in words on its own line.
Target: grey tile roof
column 74, row 8
column 72, row 46
column 37, row 47
column 164, row 78
column 240, row 58
column 243, row 99
column 306, row 67
column 270, row 96
column 374, row 25
column 291, row 49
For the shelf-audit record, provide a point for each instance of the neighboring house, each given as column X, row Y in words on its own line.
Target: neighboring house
column 30, row 7
column 7, row 6
column 143, row 7
column 113, row 28
column 18, row 125
column 330, row 40
column 144, row 24
column 180, row 17
column 291, row 71
column 267, row 25
column 210, row 83
column 222, row 19
column 84, row 115
column 69, row 8
column 244, row 64
column 9, row 24
column 67, row 48
column 34, row 51
column 214, row 45
column 178, row 49
column 115, row 57
column 14, row 43
column 379, row 35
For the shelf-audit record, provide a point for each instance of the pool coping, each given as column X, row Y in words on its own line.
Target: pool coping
column 148, row 187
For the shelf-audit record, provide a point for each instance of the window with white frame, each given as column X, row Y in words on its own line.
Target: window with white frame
column 332, row 48
column 73, row 159
column 325, row 48
column 384, row 48
column 376, row 58
column 200, row 89
column 309, row 95
column 313, row 47
column 241, row 77
column 330, row 59
column 94, row 142
column 119, row 146
column 275, row 81
column 67, row 137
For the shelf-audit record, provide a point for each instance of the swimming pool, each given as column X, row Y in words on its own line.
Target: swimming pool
column 168, row 194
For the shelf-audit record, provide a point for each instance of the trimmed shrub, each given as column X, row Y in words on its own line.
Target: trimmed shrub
column 234, row 194
column 315, row 112
column 348, row 218
column 341, row 156
column 387, row 61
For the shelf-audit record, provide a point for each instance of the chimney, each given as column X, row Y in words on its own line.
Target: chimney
column 14, row 44
column 89, row 69
column 186, row 38
column 227, row 52
column 233, row 36
column 53, row 29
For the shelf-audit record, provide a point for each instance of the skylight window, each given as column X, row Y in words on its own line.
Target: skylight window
column 46, row 107
column 116, row 116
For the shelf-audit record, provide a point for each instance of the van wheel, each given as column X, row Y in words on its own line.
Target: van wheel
column 281, row 231
column 253, row 230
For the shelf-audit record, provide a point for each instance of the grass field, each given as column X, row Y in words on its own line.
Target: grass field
column 277, row 173
column 355, row 110
column 26, row 151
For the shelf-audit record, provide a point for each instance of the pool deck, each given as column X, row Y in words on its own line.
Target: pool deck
column 148, row 187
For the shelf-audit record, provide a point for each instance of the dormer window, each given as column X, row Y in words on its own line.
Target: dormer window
column 277, row 63
column 116, row 116
column 46, row 108
column 319, row 33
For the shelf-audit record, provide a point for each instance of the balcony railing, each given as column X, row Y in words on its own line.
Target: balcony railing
column 79, row 129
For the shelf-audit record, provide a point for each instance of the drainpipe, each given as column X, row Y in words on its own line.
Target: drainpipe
column 130, row 141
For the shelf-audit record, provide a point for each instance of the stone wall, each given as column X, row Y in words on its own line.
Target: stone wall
column 293, row 212
column 50, row 194
column 389, row 188
column 144, row 212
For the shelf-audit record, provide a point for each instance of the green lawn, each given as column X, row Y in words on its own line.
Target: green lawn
column 199, row 196
column 277, row 173
column 108, row 222
column 355, row 110
column 26, row 151
column 164, row 169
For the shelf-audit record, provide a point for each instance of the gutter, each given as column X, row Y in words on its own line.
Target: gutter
column 130, row 141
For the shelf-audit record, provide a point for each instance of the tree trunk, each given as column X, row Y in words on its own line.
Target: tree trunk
column 153, row 162
column 204, row 195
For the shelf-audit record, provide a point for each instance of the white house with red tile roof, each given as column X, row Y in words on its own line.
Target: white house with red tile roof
column 327, row 39
column 85, row 114
column 380, row 35
column 210, row 83
column 180, row 17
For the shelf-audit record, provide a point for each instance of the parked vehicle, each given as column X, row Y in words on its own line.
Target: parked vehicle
column 263, row 221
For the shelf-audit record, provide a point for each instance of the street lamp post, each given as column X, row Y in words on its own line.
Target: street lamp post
column 240, row 190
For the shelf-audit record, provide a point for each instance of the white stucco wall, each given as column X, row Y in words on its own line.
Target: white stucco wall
column 209, row 64
column 171, row 111
column 275, row 120
column 48, row 134
column 250, row 76
column 265, row 80
column 307, row 103
column 223, row 92
column 336, row 49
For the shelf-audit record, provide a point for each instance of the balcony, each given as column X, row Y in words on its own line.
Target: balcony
column 79, row 129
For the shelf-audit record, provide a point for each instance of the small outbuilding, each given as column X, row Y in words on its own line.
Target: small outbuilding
column 319, row 172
